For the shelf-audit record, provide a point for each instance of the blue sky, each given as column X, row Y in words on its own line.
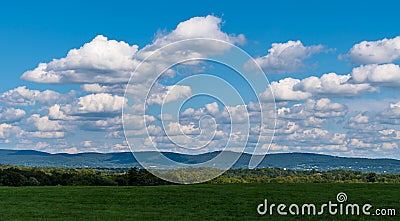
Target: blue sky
column 359, row 117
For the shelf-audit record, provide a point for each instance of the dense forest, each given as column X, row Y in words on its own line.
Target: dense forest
column 42, row 176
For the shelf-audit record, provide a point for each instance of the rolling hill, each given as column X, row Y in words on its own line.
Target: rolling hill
column 298, row 161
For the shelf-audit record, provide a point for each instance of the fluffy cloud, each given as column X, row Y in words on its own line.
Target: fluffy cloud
column 322, row 108
column 93, row 112
column 46, row 134
column 10, row 133
column 284, row 127
column 360, row 144
column 376, row 52
column 390, row 115
column 8, row 130
column 283, row 91
column 169, row 94
column 95, row 88
column 86, row 143
column 55, row 113
column 212, row 108
column 287, row 57
column 325, row 108
column 99, row 61
column 9, row 115
column 104, row 124
column 100, row 88
column 43, row 123
column 174, row 128
column 332, row 84
column 317, row 136
column 275, row 147
column 389, row 145
column 228, row 115
column 234, row 114
column 21, row 96
column 201, row 27
column 384, row 75
column 110, row 61
column 136, row 122
column 360, row 119
column 98, row 103
column 304, row 120
column 197, row 27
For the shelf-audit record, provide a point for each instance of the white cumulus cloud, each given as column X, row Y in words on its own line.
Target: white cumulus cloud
column 332, row 84
column 287, row 57
column 22, row 96
column 283, row 91
column 169, row 94
column 383, row 75
column 11, row 114
column 43, row 123
column 376, row 52
column 99, row 61
column 99, row 103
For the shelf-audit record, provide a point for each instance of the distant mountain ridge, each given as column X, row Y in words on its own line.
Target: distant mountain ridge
column 297, row 161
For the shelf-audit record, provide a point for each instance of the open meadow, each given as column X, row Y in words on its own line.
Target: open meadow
column 187, row 202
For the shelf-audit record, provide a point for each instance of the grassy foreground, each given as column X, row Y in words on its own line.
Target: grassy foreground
column 186, row 202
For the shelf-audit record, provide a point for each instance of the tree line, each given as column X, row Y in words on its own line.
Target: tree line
column 38, row 176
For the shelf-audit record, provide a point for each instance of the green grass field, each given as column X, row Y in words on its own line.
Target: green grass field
column 186, row 202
